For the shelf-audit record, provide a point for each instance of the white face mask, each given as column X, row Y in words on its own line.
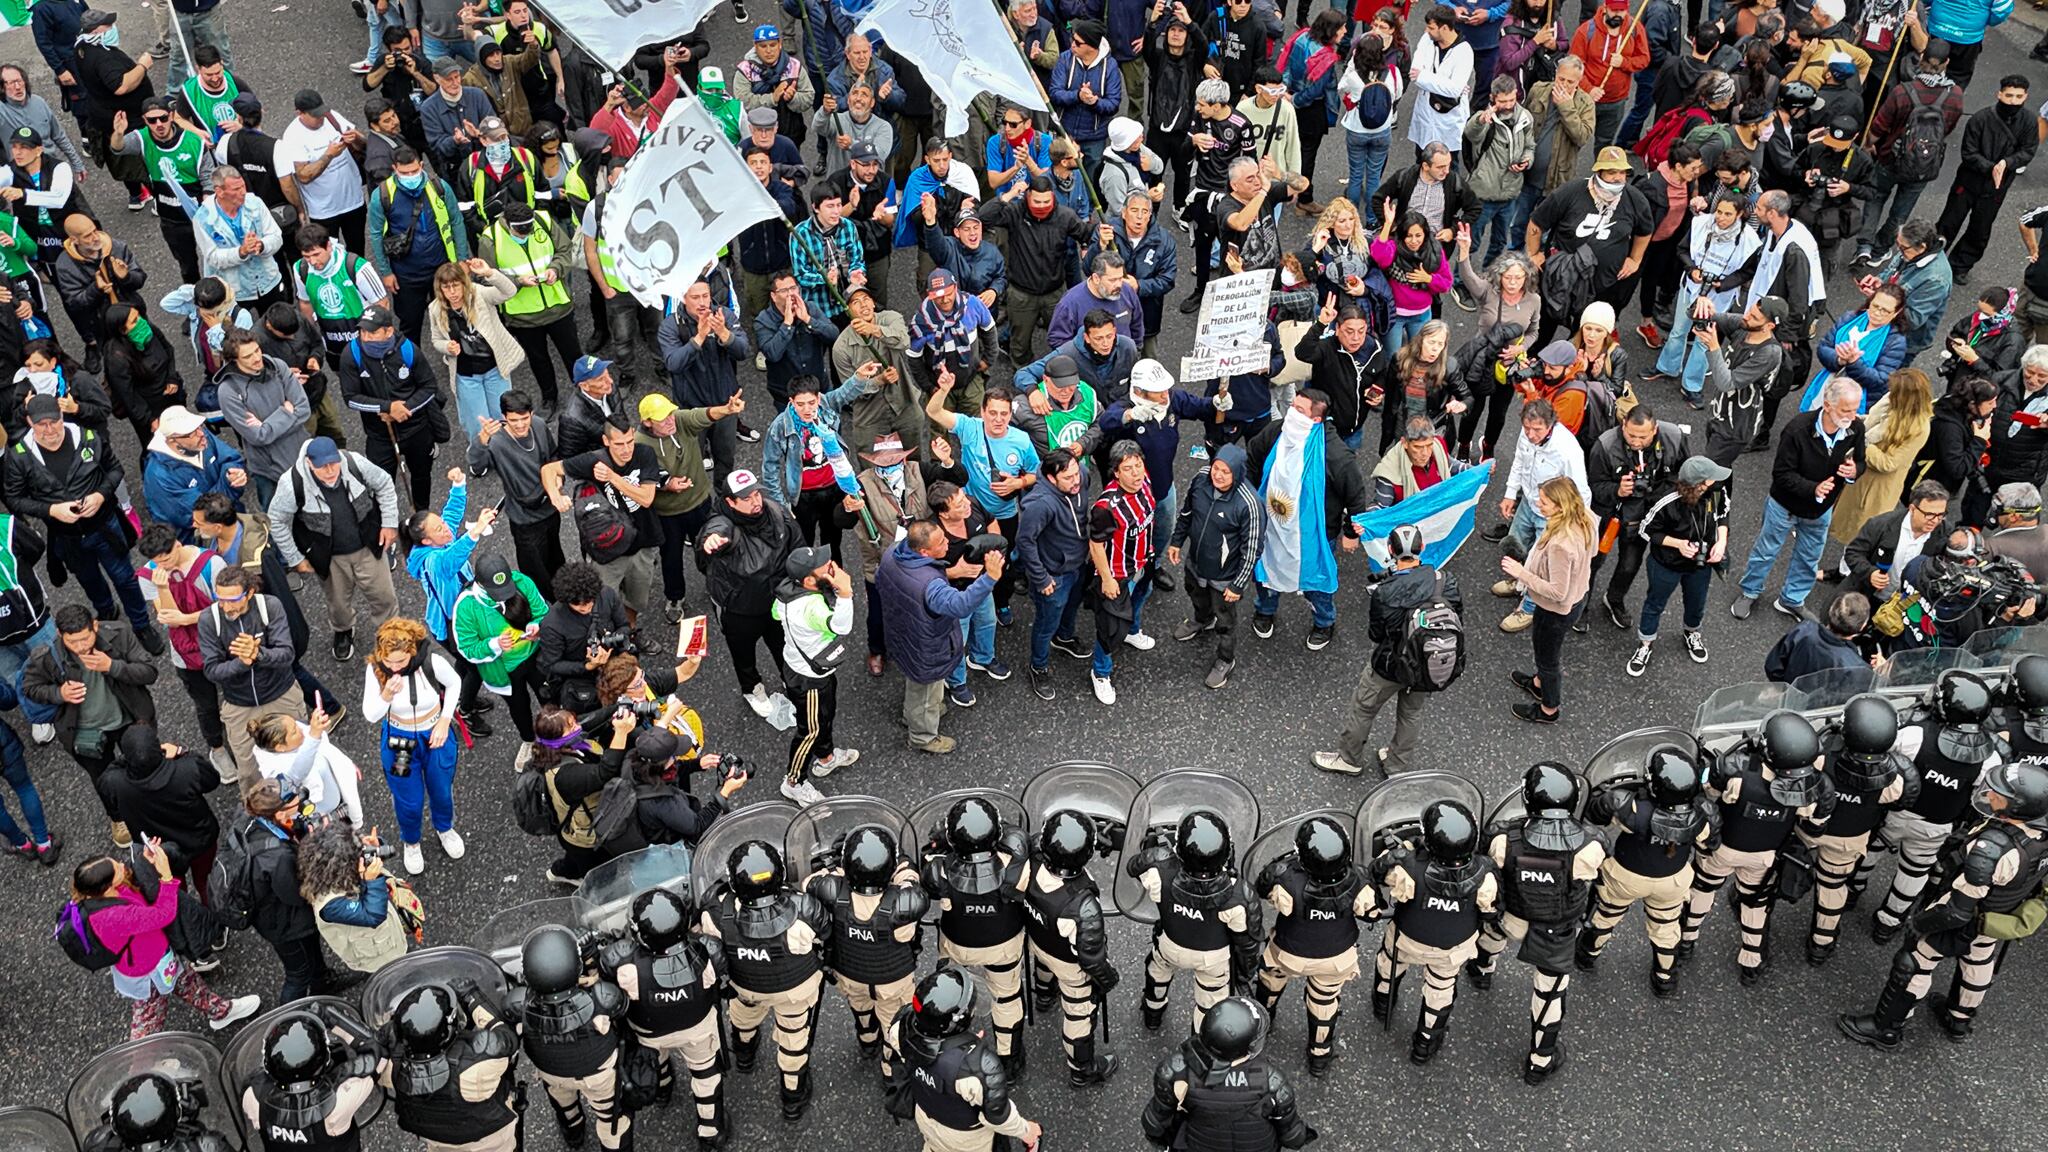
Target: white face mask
column 45, row 383
column 1770, row 129
column 1611, row 187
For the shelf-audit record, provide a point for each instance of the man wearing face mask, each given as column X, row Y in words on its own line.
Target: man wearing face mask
column 1311, row 486
column 386, row 380
column 1998, row 143
column 414, row 229
column 532, row 250
column 1601, row 226
column 1039, row 231
column 496, row 176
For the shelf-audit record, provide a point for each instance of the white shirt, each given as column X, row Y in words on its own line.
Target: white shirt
column 426, row 695
column 1910, row 545
column 331, row 779
column 339, row 188
column 1440, row 72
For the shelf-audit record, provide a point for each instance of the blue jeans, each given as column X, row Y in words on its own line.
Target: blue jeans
column 1054, row 616
column 1356, row 439
column 1661, row 581
column 430, row 781
column 99, row 556
column 392, row 18
column 1523, row 530
column 439, row 50
column 1367, row 159
column 1402, row 329
column 476, row 397
column 1809, row 537
column 14, row 660
column 1525, row 206
column 1322, row 606
column 1500, row 215
column 1682, row 356
column 1103, row 662
column 979, row 630
column 1639, row 112
column 1162, row 523
column 1879, row 228
column 14, row 770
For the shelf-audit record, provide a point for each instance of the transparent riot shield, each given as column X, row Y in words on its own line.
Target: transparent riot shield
column 1998, row 649
column 609, row 888
column 1278, row 840
column 928, row 819
column 187, row 1059
column 1625, row 756
column 1736, row 711
column 1908, row 675
column 504, row 933
column 1102, row 792
column 34, row 1130
column 1160, row 804
column 1822, row 694
column 769, row 822
column 822, row 825
column 447, row 964
column 1392, row 811
column 243, row 1058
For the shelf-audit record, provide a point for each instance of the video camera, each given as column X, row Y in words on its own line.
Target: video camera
column 1992, row 586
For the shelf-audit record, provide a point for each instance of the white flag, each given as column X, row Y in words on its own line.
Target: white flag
column 962, row 49
column 613, row 30
column 684, row 195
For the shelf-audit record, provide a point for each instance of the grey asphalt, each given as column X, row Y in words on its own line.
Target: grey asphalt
column 1720, row 1066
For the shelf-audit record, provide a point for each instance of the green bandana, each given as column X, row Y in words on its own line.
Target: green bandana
column 140, row 334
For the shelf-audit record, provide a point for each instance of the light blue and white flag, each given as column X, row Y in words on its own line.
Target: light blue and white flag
column 961, row 47
column 1444, row 512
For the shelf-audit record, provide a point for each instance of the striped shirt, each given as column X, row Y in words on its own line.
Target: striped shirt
column 1122, row 523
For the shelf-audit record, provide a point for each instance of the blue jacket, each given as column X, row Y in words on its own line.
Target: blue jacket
column 1109, row 375
column 764, row 247
column 1321, row 93
column 1153, row 262
column 921, row 613
column 1087, row 123
column 824, row 38
column 981, row 270
column 782, row 451
column 444, row 571
column 56, row 31
column 1964, row 21
column 1050, row 542
column 171, row 485
column 706, row 376
column 1124, row 24
column 365, row 911
column 882, row 72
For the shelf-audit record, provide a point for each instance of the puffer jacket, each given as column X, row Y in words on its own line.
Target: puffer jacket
column 1479, row 356
column 743, row 574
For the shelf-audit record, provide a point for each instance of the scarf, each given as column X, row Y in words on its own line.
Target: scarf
column 1143, row 411
column 1429, row 259
column 1994, row 325
column 1857, row 330
column 1296, row 559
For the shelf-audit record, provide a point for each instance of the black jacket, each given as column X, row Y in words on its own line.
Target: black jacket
column 565, row 633
column 745, row 571
column 95, row 407
column 1875, row 543
column 405, row 374
column 1480, row 355
column 31, row 488
column 1400, row 593
column 164, row 798
column 1655, row 467
column 1461, row 204
column 1809, row 647
column 280, row 913
column 130, row 676
column 1989, row 137
column 1036, row 250
column 580, row 427
column 1345, row 491
column 1953, row 456
column 2018, row 452
column 1803, row 461
column 1339, row 375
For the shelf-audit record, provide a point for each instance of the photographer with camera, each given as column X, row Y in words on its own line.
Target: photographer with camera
column 661, row 763
column 310, row 1087
column 363, row 912
column 584, row 626
column 577, row 769
column 412, row 692
column 273, row 823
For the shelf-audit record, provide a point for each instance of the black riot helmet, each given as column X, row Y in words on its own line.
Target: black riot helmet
column 1550, row 787
column 424, row 1020
column 2021, row 788
column 1962, row 699
column 144, row 1111
column 2027, row 687
column 1789, row 741
column 660, row 919
column 1067, row 842
column 1795, row 96
column 550, row 960
column 869, row 858
column 972, row 826
column 1232, row 1029
column 1325, row 849
column 1674, row 777
column 295, row 1051
column 1203, row 843
column 1450, row 835
column 755, row 871
column 943, row 1004
column 1870, row 725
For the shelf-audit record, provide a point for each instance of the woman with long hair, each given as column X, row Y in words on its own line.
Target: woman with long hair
column 1953, row 455
column 1554, row 577
column 1894, row 431
column 1339, row 255
column 1312, row 71
column 1687, row 531
column 107, row 906
column 286, row 749
column 477, row 351
column 1417, row 269
column 1422, row 379
column 1717, row 242
column 356, row 904
column 1756, row 78
column 1370, row 94
column 576, row 768
column 411, row 691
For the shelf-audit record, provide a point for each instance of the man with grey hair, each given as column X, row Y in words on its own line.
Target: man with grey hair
column 1819, row 455
column 2016, row 525
column 1106, row 288
column 1150, row 257
column 1787, row 266
column 1500, row 144
column 2019, row 428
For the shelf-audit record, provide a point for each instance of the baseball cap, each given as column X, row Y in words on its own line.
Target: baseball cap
column 862, row 152
column 43, row 408
column 26, row 135
column 495, row 575
column 309, row 101
column 1615, row 5
column 1699, row 470
column 376, row 317
column 969, row 214
column 887, row 449
column 589, row 368
column 449, row 66
column 246, row 105
column 941, row 278
column 761, row 117
column 1611, row 159
column 491, row 127
column 1844, row 126
column 711, row 77
column 322, row 451
column 804, row 561
column 95, row 18
column 1062, row 371
column 655, row 406
column 766, row 32
column 1558, row 354
column 1774, row 308
column 740, row 482
column 656, row 745
column 178, row 420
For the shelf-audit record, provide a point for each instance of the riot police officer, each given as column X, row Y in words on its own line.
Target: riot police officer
column 1869, row 779
column 2026, row 699
column 1664, row 821
column 153, row 1113
column 1218, row 1093
column 1987, row 893
column 1950, row 749
column 974, row 872
column 1766, row 786
column 1209, row 920
column 948, row 1081
column 1318, row 893
column 774, row 939
column 570, row 1031
column 873, row 896
column 1547, row 865
column 672, row 979
column 452, row 1070
column 1436, row 899
column 1069, row 944
column 309, row 1088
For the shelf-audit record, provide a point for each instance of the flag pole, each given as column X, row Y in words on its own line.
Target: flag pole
column 1087, row 177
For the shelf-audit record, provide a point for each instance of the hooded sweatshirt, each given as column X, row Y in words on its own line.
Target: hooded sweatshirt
column 1219, row 529
column 164, row 797
column 272, row 444
column 1050, row 542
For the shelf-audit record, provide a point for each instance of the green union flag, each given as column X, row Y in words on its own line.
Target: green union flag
column 15, row 12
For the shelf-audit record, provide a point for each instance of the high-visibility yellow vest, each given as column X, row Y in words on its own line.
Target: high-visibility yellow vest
column 529, row 257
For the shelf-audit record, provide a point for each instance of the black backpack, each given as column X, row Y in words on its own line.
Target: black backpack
column 231, row 886
column 1599, row 411
column 74, row 935
column 532, row 808
column 1431, row 655
column 603, row 528
column 1917, row 153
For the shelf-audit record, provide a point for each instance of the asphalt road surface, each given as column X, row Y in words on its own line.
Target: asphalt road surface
column 1718, row 1066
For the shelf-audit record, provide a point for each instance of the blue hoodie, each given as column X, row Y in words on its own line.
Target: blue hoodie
column 1964, row 21
column 1050, row 542
column 443, row 570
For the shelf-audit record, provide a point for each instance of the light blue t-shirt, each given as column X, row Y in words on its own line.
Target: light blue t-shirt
column 1013, row 454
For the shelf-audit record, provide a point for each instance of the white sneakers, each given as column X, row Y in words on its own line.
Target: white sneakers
column 1140, row 641
column 42, row 733
column 840, row 758
column 415, row 860
column 451, row 844
column 525, row 756
column 1104, row 690
column 240, row 1008
column 805, row 794
column 758, row 700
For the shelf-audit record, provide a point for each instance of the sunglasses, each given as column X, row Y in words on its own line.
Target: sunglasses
column 156, row 119
column 1013, row 123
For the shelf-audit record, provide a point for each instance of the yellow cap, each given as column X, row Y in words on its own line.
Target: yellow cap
column 656, row 407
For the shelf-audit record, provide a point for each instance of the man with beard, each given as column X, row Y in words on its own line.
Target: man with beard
column 1599, row 228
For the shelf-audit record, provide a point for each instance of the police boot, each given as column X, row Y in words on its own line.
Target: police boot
column 1085, row 1068
column 1475, row 970
column 569, row 1118
column 1013, row 1064
column 1881, row 1028
column 1270, row 997
column 1819, row 954
column 1422, row 1048
column 1533, row 1075
column 1155, row 993
column 744, row 1053
column 1682, row 953
column 1583, row 954
column 665, row 1082
column 1045, row 997
column 1955, row 1020
column 795, row 1100
column 1882, row 932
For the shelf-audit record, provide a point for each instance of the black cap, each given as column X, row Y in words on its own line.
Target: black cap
column 495, row 576
column 375, row 318
column 26, row 135
column 804, row 561
column 656, row 745
column 41, row 408
column 246, row 105
column 94, row 18
column 1844, row 126
column 309, row 101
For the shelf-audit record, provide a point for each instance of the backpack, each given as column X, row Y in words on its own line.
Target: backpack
column 532, row 808
column 1600, row 411
column 1670, row 128
column 231, row 886
column 1432, row 650
column 1917, row 152
column 1711, row 133
column 604, row 530
column 1375, row 105
column 74, row 935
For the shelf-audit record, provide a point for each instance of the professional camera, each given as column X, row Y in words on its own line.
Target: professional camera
column 1953, row 588
column 401, row 753
column 616, row 641
column 731, row 766
column 1525, row 370
column 375, row 851
column 646, row 711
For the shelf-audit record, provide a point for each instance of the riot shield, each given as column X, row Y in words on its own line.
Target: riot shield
column 243, row 1058
column 1909, row 674
column 1624, row 756
column 187, row 1059
column 1102, row 792
column 928, row 819
column 34, row 1130
column 1392, row 811
column 609, row 888
column 1738, row 709
column 822, row 824
column 447, row 964
column 1998, row 649
column 504, row 934
column 1278, row 840
column 1826, row 691
column 1163, row 801
column 769, row 822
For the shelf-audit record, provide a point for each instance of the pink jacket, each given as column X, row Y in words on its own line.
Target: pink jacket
column 1408, row 299
column 135, row 929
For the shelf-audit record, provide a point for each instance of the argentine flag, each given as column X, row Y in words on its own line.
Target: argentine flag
column 1445, row 513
